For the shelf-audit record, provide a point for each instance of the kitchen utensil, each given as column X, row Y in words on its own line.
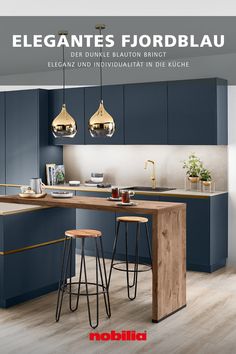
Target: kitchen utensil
column 37, row 185
column 74, row 183
column 125, row 196
column 90, row 184
column 62, row 194
column 126, row 204
column 114, row 199
column 32, row 195
column 97, row 177
column 25, row 189
column 115, row 192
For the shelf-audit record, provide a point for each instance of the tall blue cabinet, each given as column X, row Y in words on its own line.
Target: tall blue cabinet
column 27, row 149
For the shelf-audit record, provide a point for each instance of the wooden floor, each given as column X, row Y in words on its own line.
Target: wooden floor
column 206, row 326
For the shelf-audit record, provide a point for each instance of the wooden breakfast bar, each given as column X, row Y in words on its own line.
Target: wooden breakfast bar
column 168, row 243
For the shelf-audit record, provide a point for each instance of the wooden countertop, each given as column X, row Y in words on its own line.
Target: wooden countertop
column 181, row 193
column 9, row 208
column 141, row 206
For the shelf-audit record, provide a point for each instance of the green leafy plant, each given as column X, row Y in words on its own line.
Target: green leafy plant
column 205, row 175
column 193, row 166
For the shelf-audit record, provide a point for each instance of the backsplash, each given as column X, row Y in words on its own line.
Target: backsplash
column 124, row 164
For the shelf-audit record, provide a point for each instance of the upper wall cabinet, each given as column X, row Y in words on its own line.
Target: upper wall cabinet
column 146, row 113
column 27, row 149
column 113, row 103
column 2, row 142
column 197, row 112
column 74, row 98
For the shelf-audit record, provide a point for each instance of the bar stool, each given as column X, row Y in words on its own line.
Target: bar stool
column 66, row 269
column 134, row 284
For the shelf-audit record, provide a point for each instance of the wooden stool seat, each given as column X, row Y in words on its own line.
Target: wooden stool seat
column 80, row 233
column 132, row 219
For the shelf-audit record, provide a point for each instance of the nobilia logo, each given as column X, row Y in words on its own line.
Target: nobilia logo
column 120, row 336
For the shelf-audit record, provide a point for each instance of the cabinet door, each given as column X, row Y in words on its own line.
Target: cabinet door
column 75, row 106
column 198, row 231
column 113, row 103
column 99, row 220
column 197, row 112
column 146, row 113
column 22, row 136
column 2, row 142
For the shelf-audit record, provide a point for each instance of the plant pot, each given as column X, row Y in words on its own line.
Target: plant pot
column 206, row 183
column 194, row 179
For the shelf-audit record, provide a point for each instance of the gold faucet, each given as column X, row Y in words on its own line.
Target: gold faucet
column 153, row 176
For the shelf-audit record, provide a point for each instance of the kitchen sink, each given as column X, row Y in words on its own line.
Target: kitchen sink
column 158, row 189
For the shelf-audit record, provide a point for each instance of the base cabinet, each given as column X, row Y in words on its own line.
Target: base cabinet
column 207, row 231
column 31, row 247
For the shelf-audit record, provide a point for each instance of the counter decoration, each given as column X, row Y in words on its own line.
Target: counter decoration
column 207, row 184
column 50, row 173
column 193, row 168
column 198, row 177
column 60, row 174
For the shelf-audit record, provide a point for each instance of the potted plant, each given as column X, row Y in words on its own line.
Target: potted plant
column 205, row 177
column 193, row 168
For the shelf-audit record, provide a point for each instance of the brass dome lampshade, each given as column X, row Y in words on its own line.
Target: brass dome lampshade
column 101, row 124
column 64, row 124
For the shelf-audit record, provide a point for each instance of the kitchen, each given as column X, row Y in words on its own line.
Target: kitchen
column 121, row 158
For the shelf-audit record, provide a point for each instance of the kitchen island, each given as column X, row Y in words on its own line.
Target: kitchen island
column 168, row 244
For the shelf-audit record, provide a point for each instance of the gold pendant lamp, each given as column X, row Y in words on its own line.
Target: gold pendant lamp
column 64, row 125
column 101, row 124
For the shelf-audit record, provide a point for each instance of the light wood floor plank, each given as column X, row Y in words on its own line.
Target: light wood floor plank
column 206, row 326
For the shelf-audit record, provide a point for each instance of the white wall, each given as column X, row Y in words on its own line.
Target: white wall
column 124, row 164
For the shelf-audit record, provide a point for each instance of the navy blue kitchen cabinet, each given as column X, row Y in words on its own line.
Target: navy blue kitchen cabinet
column 184, row 112
column 31, row 247
column 207, row 231
column 74, row 99
column 2, row 142
column 114, row 105
column 27, row 148
column 197, row 112
column 146, row 113
column 96, row 219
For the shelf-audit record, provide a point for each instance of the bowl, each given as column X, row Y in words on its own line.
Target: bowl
column 97, row 179
column 74, row 183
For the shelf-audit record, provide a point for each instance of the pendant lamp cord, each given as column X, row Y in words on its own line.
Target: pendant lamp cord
column 63, row 74
column 100, row 60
